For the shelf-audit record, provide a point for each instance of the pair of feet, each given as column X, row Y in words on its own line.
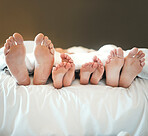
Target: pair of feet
column 92, row 71
column 15, row 53
column 121, row 71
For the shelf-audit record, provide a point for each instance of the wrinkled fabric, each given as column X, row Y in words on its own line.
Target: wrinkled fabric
column 78, row 110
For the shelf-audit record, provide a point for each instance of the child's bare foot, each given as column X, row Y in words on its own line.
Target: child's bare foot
column 44, row 59
column 15, row 53
column 70, row 74
column 98, row 73
column 86, row 71
column 58, row 74
column 113, row 67
column 133, row 65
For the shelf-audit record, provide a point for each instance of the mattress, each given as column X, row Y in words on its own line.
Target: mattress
column 77, row 110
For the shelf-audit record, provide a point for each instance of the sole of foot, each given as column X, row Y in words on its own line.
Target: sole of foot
column 133, row 65
column 113, row 67
column 15, row 53
column 98, row 73
column 86, row 70
column 70, row 74
column 44, row 59
column 58, row 74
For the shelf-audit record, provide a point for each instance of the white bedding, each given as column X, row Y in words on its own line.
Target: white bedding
column 78, row 110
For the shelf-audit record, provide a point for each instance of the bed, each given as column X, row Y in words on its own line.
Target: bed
column 78, row 110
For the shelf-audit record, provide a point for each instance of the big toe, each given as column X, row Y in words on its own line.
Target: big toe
column 120, row 52
column 18, row 38
column 39, row 39
column 63, row 56
column 133, row 52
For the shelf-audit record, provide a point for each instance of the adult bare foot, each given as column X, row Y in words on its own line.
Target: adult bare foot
column 133, row 65
column 58, row 74
column 70, row 74
column 98, row 73
column 86, row 70
column 44, row 59
column 15, row 53
column 113, row 67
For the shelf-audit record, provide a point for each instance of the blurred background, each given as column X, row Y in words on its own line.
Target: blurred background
column 89, row 23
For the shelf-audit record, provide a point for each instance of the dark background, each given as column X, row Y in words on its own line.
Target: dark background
column 90, row 23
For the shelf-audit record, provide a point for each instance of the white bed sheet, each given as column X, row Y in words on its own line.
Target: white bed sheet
column 78, row 110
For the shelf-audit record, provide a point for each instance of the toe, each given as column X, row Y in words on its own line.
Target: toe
column 67, row 57
column 8, row 42
column 138, row 54
column 18, row 38
column 72, row 65
column 101, row 66
column 90, row 64
column 142, row 64
column 7, row 45
column 6, row 49
column 52, row 51
column 95, row 58
column 12, row 40
column 107, row 61
column 62, row 55
column 99, row 61
column 142, row 59
column 48, row 42
column 39, row 39
column 133, row 52
column 109, row 57
column 45, row 39
column 61, row 64
column 86, row 64
column 95, row 65
column 115, row 52
column 68, row 65
column 51, row 45
column 120, row 52
column 111, row 54
column 70, row 60
column 141, row 56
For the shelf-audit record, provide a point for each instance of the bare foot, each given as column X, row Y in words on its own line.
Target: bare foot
column 133, row 65
column 98, row 73
column 86, row 70
column 58, row 74
column 15, row 53
column 44, row 59
column 113, row 67
column 70, row 74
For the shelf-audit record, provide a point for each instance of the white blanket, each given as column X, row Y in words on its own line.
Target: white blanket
column 78, row 110
column 79, row 58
